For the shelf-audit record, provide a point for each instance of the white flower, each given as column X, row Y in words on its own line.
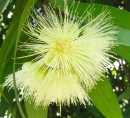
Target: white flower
column 43, row 89
column 71, row 55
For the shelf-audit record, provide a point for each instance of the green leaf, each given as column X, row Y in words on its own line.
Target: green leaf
column 124, row 95
column 13, row 31
column 33, row 112
column 126, row 114
column 120, row 17
column 92, row 109
column 122, row 51
column 105, row 99
column 123, row 36
column 6, row 53
column 4, row 104
column 3, row 5
column 22, row 20
column 14, row 111
column 11, row 41
column 7, row 49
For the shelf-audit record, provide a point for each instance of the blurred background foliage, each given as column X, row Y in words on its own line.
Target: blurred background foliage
column 119, row 71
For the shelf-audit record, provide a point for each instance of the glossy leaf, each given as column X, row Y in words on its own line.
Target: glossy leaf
column 105, row 99
column 120, row 17
column 11, row 40
column 38, row 112
column 4, row 104
column 3, row 5
column 23, row 18
column 124, row 95
column 7, row 50
column 123, row 36
column 123, row 51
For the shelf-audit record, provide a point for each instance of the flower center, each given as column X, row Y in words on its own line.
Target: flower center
column 62, row 46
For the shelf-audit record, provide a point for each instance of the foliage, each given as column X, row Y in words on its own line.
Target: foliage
column 105, row 101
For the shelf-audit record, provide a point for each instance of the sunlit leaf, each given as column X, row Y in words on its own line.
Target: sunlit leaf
column 3, row 5
column 6, row 53
column 123, row 51
column 123, row 36
column 38, row 112
column 10, row 43
column 23, row 18
column 105, row 99
column 120, row 17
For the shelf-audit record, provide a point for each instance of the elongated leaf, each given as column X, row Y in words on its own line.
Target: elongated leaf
column 123, row 36
column 3, row 5
column 127, row 113
column 24, row 16
column 92, row 109
column 14, row 111
column 12, row 38
column 105, row 99
column 124, row 95
column 123, row 51
column 4, row 104
column 22, row 20
column 35, row 112
column 120, row 17
column 6, row 52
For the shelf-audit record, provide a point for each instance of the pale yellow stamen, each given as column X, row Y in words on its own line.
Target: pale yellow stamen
column 62, row 46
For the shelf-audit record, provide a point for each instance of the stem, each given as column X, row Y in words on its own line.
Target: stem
column 15, row 86
column 16, row 94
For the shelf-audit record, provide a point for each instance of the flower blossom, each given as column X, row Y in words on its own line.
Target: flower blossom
column 71, row 54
